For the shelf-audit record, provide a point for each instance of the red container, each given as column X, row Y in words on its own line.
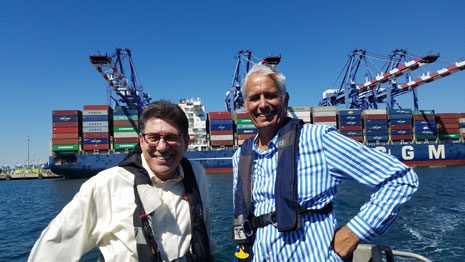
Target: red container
column 375, row 117
column 443, row 125
column 121, row 140
column 65, row 124
column 219, row 116
column 350, row 128
column 245, row 136
column 221, row 132
column 65, row 141
column 126, row 123
column 324, row 119
column 219, row 170
column 66, row 113
column 61, row 130
column 222, row 143
column 401, row 137
column 96, row 135
column 65, row 135
column 242, row 115
column 96, row 107
column 448, row 130
column 95, row 147
column 400, row 126
column 447, row 115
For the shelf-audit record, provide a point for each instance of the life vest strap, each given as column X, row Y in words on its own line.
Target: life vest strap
column 270, row 218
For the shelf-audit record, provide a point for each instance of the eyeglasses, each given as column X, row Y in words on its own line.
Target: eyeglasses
column 154, row 139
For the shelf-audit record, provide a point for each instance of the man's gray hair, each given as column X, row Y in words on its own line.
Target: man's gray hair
column 264, row 69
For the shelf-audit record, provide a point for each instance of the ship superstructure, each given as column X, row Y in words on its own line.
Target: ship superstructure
column 197, row 117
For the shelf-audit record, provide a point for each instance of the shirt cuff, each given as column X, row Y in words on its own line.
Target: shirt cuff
column 361, row 228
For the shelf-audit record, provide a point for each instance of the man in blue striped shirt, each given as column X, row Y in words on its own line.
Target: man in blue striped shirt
column 325, row 158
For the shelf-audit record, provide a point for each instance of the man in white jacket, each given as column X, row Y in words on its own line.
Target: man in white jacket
column 152, row 207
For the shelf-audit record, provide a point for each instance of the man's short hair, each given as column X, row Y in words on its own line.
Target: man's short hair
column 264, row 69
column 164, row 109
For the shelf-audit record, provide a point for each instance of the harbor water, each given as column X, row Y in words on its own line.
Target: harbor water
column 432, row 223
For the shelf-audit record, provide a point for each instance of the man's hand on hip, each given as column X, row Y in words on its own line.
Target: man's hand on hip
column 345, row 242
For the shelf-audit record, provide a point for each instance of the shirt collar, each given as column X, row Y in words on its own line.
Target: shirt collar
column 271, row 145
column 179, row 176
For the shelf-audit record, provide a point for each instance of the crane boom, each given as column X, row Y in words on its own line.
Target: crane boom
column 112, row 68
column 456, row 67
column 398, row 71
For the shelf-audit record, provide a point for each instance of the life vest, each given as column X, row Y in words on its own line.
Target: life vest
column 147, row 250
column 286, row 206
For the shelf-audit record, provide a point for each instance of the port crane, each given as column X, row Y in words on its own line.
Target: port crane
column 114, row 69
column 234, row 98
column 383, row 87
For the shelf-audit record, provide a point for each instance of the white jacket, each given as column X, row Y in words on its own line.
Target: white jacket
column 101, row 214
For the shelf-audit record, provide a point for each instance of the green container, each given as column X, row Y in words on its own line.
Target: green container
column 454, row 136
column 423, row 112
column 125, row 118
column 244, row 121
column 424, row 137
column 125, row 129
column 71, row 147
column 245, row 126
column 125, row 146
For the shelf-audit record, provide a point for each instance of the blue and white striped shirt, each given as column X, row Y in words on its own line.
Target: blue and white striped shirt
column 325, row 159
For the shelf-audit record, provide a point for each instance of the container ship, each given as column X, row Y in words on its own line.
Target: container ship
column 87, row 141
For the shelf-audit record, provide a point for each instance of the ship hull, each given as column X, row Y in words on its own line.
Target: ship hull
column 220, row 161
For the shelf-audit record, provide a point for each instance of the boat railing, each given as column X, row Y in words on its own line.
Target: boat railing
column 378, row 253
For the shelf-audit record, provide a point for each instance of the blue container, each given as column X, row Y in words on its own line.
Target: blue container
column 426, row 122
column 357, row 122
column 400, row 112
column 350, row 117
column 352, row 133
column 375, row 122
column 424, row 127
column 65, row 118
column 401, row 121
column 461, row 125
column 392, row 117
column 221, row 127
column 376, row 127
column 95, row 118
column 375, row 138
column 349, row 112
column 247, row 131
column 87, row 141
column 221, row 122
column 425, row 132
column 401, row 132
column 376, row 132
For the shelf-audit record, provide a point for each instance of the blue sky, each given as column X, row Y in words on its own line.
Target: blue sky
column 186, row 49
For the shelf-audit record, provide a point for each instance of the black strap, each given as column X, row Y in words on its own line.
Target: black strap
column 270, row 218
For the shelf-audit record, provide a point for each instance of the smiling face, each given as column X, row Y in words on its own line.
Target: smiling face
column 266, row 104
column 163, row 158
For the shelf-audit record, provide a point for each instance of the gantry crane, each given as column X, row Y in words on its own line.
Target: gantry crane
column 368, row 94
column 113, row 69
column 234, row 97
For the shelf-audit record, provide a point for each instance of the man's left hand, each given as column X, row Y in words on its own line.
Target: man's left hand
column 345, row 242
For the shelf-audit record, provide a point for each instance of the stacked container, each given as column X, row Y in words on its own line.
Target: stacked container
column 324, row 115
column 462, row 125
column 96, row 127
column 66, row 130
column 244, row 127
column 350, row 123
column 400, row 124
column 376, row 125
column 300, row 112
column 447, row 126
column 221, row 129
column 424, row 125
column 125, row 127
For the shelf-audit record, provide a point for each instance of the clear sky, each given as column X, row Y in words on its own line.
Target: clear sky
column 186, row 49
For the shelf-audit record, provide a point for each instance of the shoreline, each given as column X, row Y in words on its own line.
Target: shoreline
column 29, row 176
